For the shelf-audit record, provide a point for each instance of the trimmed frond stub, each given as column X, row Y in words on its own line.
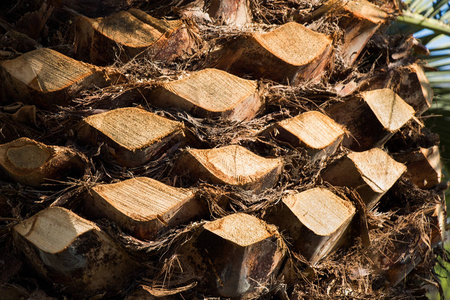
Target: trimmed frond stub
column 129, row 33
column 360, row 20
column 239, row 253
column 290, row 54
column 371, row 118
column 391, row 111
column 229, row 12
column 47, row 78
column 409, row 82
column 29, row 162
column 133, row 135
column 210, row 93
column 317, row 133
column 403, row 258
column 420, row 99
column 73, row 253
column 372, row 173
column 144, row 206
column 233, row 165
column 315, row 220
column 424, row 166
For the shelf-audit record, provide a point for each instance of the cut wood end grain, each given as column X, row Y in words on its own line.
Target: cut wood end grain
column 133, row 136
column 312, row 129
column 29, row 156
column 213, row 89
column 144, row 205
column 233, row 165
column 315, row 221
column 136, row 32
column 365, row 10
column 73, row 253
column 371, row 117
column 46, row 70
column 360, row 9
column 320, row 210
column 409, row 82
column 372, row 173
column 162, row 25
column 142, row 198
column 377, row 168
column 391, row 110
column 133, row 128
column 211, row 92
column 291, row 53
column 54, row 229
column 294, row 44
column 240, row 229
column 30, row 162
column 133, row 28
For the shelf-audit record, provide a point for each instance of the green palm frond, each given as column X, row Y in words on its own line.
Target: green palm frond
column 422, row 22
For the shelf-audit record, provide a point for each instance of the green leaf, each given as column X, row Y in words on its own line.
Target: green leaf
column 437, row 8
column 446, row 16
column 436, row 57
column 421, row 5
column 441, row 105
column 438, row 74
column 441, row 90
column 416, row 19
column 428, row 38
column 440, row 63
column 442, row 40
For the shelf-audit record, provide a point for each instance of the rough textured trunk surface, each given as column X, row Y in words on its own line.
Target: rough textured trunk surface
column 215, row 148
